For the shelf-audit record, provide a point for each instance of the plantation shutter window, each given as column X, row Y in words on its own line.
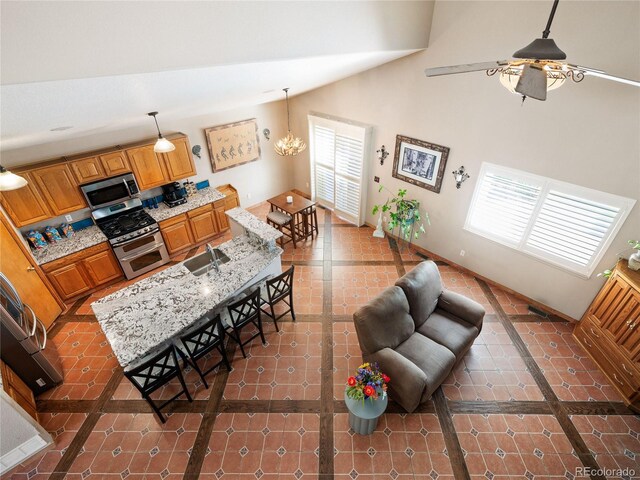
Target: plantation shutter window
column 338, row 166
column 560, row 223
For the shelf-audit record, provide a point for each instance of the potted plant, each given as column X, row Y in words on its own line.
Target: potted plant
column 368, row 383
column 634, row 258
column 403, row 213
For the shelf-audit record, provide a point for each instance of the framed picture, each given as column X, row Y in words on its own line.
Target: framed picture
column 233, row 144
column 420, row 163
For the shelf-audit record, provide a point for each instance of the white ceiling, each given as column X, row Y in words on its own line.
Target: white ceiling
column 100, row 66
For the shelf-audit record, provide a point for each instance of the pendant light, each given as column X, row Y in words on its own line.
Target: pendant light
column 10, row 181
column 162, row 145
column 289, row 145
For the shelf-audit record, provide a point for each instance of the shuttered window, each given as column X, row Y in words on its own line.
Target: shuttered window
column 338, row 166
column 560, row 223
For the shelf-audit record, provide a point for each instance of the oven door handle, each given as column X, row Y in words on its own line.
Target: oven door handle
column 122, row 244
column 155, row 246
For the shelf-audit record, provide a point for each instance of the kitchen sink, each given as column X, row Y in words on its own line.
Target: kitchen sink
column 204, row 262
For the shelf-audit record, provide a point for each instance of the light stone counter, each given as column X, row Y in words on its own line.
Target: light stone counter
column 147, row 314
column 85, row 238
column 202, row 197
column 253, row 226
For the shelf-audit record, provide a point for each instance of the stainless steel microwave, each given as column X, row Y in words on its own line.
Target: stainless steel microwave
column 109, row 191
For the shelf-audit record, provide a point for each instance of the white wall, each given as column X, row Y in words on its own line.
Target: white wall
column 584, row 133
column 262, row 179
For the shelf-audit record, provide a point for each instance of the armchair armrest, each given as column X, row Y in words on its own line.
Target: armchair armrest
column 462, row 307
column 407, row 380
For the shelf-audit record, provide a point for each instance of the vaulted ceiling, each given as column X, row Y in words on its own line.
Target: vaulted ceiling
column 100, row 66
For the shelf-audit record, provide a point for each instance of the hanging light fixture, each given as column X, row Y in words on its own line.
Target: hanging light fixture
column 162, row 145
column 10, row 181
column 289, row 145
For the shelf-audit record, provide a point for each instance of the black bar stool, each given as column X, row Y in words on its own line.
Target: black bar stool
column 311, row 220
column 156, row 371
column 278, row 289
column 242, row 313
column 202, row 340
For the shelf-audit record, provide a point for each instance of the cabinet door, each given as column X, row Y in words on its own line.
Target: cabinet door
column 204, row 226
column 115, row 163
column 179, row 162
column 25, row 205
column 59, row 187
column 70, row 280
column 606, row 303
column 231, row 201
column 177, row 236
column 87, row 169
column 623, row 326
column 102, row 267
column 221, row 218
column 147, row 167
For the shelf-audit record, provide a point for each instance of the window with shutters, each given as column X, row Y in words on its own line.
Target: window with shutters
column 558, row 222
column 338, row 151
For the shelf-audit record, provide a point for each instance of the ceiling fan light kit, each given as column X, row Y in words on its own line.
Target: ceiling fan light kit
column 535, row 70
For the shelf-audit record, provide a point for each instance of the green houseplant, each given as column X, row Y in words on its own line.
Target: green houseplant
column 403, row 213
column 633, row 262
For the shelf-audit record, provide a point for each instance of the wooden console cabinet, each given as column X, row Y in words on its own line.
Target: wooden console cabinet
column 610, row 332
column 84, row 271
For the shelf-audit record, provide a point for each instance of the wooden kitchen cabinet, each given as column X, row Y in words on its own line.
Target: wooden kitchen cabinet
column 610, row 332
column 179, row 163
column 231, row 199
column 148, row 167
column 177, row 233
column 204, row 224
column 84, row 271
column 25, row 205
column 18, row 390
column 102, row 267
column 87, row 169
column 59, row 187
column 115, row 163
column 223, row 222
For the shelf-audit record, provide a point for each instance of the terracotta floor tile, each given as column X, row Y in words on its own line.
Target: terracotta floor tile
column 352, row 287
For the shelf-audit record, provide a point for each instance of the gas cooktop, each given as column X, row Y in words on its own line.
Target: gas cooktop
column 126, row 223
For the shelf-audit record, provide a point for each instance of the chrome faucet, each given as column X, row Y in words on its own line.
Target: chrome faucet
column 214, row 257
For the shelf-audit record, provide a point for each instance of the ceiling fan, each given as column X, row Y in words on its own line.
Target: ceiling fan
column 534, row 70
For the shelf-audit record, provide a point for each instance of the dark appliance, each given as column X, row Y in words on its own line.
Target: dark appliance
column 24, row 345
column 110, row 191
column 134, row 236
column 173, row 194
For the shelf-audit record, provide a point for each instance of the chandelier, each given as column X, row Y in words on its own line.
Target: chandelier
column 289, row 145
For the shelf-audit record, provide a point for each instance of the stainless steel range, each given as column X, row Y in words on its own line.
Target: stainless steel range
column 134, row 236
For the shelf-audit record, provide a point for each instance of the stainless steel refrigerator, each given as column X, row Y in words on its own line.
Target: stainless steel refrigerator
column 23, row 342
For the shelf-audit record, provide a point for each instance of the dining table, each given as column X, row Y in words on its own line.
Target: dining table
column 298, row 209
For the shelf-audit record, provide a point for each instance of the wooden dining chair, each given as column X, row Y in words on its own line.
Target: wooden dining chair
column 197, row 343
column 155, row 371
column 278, row 289
column 285, row 223
column 243, row 313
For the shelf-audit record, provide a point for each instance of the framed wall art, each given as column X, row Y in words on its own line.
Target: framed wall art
column 420, row 163
column 233, row 144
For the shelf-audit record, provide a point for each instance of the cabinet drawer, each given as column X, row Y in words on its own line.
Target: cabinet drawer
column 173, row 220
column 199, row 211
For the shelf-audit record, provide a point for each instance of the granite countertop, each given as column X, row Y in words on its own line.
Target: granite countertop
column 85, row 238
column 143, row 316
column 198, row 199
column 254, row 225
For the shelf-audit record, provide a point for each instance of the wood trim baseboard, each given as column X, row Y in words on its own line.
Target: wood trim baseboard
column 531, row 301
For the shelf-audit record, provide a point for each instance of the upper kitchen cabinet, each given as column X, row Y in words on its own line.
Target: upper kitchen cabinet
column 58, row 185
column 87, row 169
column 179, row 162
column 148, row 167
column 25, row 205
column 115, row 163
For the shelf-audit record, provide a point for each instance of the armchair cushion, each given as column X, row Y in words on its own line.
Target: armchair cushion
column 384, row 322
column 422, row 286
column 462, row 307
column 455, row 334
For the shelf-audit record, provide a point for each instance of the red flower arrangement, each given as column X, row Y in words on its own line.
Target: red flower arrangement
column 368, row 382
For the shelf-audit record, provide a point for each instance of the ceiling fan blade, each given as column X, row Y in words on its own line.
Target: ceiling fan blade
column 532, row 83
column 599, row 73
column 467, row 67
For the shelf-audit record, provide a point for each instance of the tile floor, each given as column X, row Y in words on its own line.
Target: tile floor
column 279, row 413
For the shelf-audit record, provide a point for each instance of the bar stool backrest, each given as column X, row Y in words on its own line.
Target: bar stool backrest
column 201, row 340
column 245, row 309
column 154, row 372
column 280, row 286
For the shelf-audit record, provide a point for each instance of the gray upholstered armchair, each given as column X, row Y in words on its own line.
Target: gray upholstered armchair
column 417, row 332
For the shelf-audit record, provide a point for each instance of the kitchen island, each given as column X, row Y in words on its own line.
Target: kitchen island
column 139, row 318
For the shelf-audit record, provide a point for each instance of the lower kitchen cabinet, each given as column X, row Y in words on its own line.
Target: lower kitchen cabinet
column 177, row 233
column 203, row 223
column 221, row 217
column 18, row 390
column 84, row 271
